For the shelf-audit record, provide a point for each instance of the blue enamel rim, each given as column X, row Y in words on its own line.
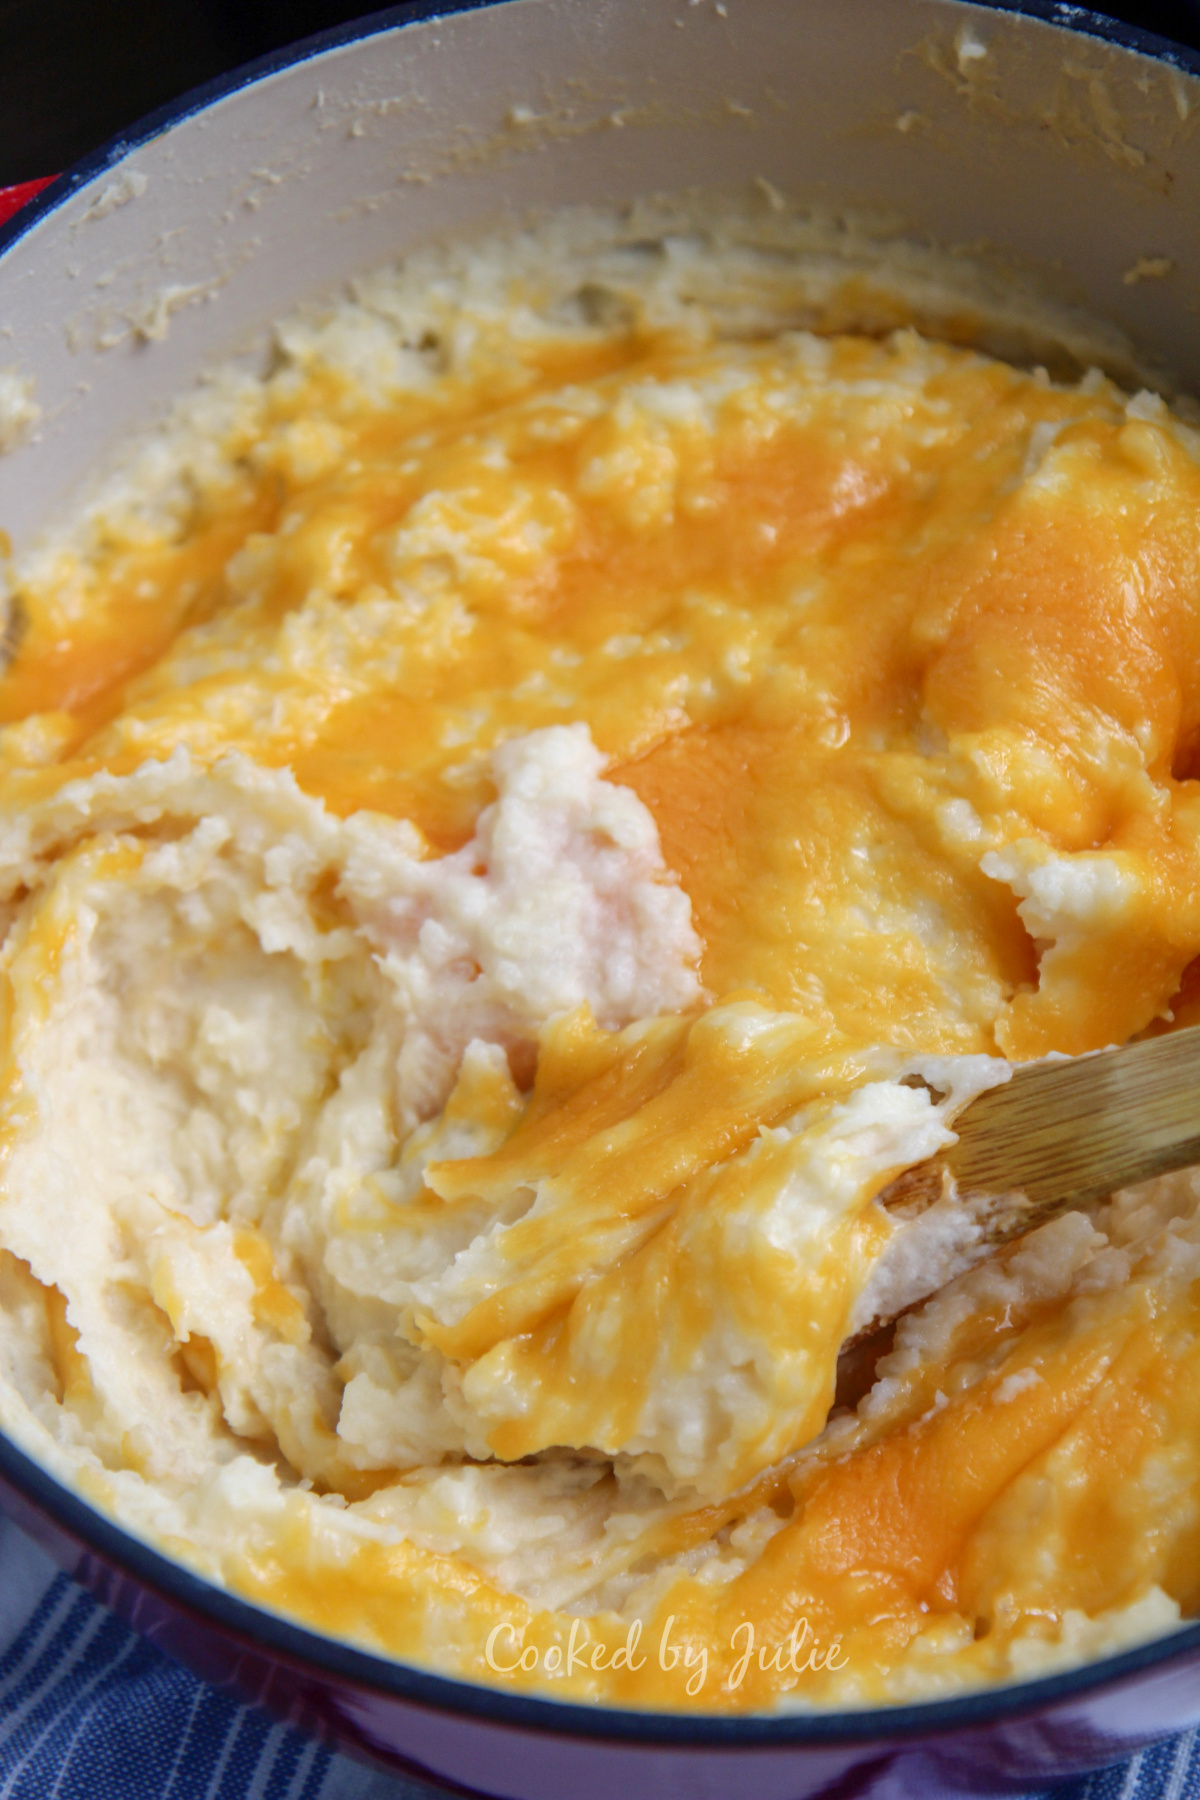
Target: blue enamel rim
column 271, row 1633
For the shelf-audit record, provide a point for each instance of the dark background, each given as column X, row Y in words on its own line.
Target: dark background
column 74, row 72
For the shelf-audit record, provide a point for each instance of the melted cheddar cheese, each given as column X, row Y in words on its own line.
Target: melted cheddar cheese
column 547, row 816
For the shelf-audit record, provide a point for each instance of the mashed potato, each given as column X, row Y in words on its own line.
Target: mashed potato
column 515, row 825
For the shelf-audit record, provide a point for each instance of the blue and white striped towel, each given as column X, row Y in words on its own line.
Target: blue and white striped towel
column 88, row 1711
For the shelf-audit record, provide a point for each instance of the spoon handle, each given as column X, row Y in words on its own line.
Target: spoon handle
column 1064, row 1133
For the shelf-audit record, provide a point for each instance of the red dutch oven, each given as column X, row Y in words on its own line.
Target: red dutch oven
column 1059, row 139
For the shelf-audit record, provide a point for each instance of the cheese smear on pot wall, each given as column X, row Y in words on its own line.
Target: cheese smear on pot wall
column 515, row 826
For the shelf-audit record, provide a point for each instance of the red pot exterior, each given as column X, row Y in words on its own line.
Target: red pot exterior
column 12, row 199
column 492, row 1757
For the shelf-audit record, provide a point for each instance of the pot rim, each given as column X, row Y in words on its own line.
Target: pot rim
column 261, row 1628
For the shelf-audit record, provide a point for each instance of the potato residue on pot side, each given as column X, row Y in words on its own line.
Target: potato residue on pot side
column 515, row 825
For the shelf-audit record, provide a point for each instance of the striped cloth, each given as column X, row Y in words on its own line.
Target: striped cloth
column 88, row 1711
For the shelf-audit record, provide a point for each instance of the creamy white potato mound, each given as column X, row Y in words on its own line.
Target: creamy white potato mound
column 237, row 1023
column 202, row 1048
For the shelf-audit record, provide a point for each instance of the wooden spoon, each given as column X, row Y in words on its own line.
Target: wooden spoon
column 1057, row 1135
column 1060, row 1134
